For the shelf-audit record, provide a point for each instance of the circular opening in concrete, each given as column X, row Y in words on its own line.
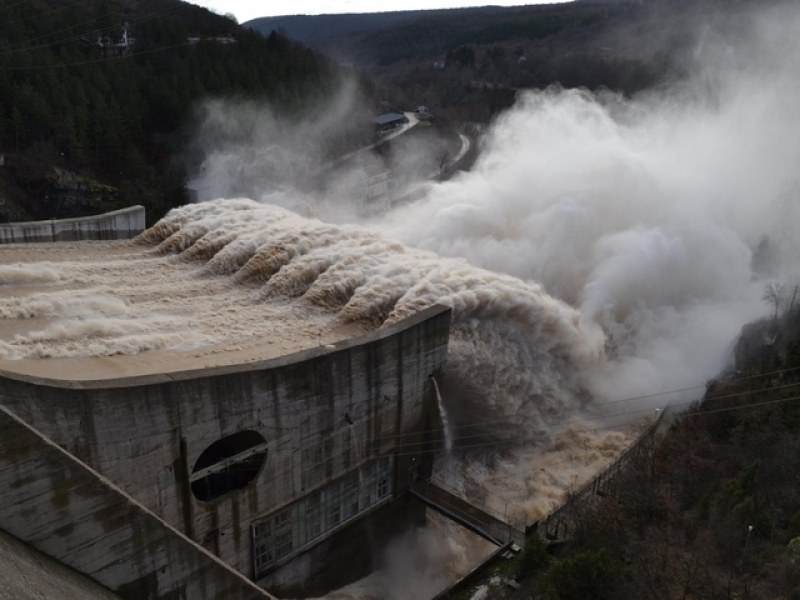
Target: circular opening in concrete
column 228, row 465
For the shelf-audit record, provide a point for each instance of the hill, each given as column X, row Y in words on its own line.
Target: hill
column 467, row 64
column 95, row 97
column 313, row 28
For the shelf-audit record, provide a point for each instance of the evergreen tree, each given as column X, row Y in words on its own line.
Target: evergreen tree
column 115, row 118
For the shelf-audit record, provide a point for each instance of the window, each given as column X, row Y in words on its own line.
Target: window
column 272, row 539
column 228, row 464
column 333, row 502
column 382, row 478
column 262, row 545
column 350, row 496
column 281, row 534
column 314, row 515
column 383, row 487
column 377, row 482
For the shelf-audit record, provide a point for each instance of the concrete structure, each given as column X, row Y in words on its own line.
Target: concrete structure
column 117, row 225
column 27, row 574
column 72, row 513
column 186, row 484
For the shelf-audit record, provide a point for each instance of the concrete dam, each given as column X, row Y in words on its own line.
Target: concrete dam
column 316, row 434
column 159, row 464
column 241, row 403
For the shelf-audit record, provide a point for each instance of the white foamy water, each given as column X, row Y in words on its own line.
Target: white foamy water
column 448, row 431
column 511, row 340
column 659, row 218
column 106, row 299
column 520, row 483
column 420, row 563
column 16, row 274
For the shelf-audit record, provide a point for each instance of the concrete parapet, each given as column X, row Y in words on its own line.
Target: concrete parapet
column 117, row 225
column 70, row 512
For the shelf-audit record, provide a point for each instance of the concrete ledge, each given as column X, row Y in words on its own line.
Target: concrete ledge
column 27, row 574
column 430, row 313
column 121, row 224
column 68, row 511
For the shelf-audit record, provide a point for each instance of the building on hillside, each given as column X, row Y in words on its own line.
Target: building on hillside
column 389, row 121
column 106, row 44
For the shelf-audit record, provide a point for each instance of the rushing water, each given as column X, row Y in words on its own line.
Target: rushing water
column 447, row 429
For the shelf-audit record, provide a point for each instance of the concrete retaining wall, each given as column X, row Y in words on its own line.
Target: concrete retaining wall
column 64, row 509
column 146, row 433
column 117, row 225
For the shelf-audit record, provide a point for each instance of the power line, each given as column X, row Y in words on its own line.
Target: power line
column 404, row 448
column 585, row 413
column 413, row 448
column 77, row 36
column 97, row 60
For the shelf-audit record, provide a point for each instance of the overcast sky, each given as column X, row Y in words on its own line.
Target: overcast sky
column 244, row 10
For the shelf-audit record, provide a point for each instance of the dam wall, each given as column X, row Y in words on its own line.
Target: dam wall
column 258, row 462
column 27, row 574
column 120, row 224
column 64, row 509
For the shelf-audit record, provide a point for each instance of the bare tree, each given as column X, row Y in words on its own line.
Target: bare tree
column 773, row 295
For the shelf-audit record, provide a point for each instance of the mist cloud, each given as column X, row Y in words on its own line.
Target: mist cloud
column 659, row 218
column 645, row 214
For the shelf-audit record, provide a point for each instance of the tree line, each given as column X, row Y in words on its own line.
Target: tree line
column 117, row 114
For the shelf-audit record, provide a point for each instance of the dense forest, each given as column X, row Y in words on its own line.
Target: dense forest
column 467, row 64
column 456, row 60
column 95, row 96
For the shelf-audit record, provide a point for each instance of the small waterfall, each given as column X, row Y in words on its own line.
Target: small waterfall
column 448, row 431
column 353, row 436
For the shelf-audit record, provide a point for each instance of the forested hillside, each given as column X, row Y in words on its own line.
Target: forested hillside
column 467, row 64
column 94, row 97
